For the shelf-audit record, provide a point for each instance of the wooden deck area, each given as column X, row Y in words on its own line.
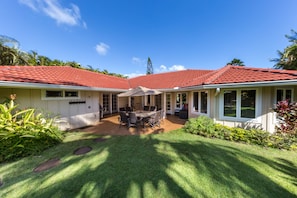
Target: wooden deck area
column 110, row 126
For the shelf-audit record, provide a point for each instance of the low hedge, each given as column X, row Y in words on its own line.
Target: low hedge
column 16, row 144
column 206, row 127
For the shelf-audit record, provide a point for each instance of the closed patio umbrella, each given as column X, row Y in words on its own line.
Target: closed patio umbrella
column 140, row 91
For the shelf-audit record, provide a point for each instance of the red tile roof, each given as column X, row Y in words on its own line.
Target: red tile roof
column 65, row 75
column 167, row 80
column 61, row 75
column 243, row 74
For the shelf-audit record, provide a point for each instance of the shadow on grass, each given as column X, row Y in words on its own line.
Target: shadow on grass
column 150, row 166
column 229, row 167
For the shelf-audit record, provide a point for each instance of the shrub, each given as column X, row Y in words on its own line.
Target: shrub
column 287, row 114
column 23, row 132
column 259, row 137
column 283, row 141
column 205, row 126
column 201, row 125
column 223, row 132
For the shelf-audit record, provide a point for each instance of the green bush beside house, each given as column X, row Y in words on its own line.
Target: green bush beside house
column 23, row 132
column 206, row 127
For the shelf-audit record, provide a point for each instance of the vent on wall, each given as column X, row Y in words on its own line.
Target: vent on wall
column 77, row 102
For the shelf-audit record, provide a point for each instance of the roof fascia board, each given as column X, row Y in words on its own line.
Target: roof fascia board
column 253, row 84
column 11, row 84
column 179, row 89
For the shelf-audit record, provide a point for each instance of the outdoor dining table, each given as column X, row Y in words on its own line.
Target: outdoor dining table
column 144, row 114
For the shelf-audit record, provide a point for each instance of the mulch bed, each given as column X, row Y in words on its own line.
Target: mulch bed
column 82, row 150
column 47, row 165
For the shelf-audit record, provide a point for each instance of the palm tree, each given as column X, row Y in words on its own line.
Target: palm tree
column 236, row 62
column 43, row 60
column 73, row 64
column 288, row 58
column 57, row 62
column 7, row 55
column 10, row 53
column 33, row 55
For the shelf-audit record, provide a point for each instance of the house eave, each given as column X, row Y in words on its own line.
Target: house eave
column 253, row 84
column 12, row 84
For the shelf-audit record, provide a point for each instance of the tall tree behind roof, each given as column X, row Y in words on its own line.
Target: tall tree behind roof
column 236, row 62
column 10, row 53
column 288, row 57
column 150, row 69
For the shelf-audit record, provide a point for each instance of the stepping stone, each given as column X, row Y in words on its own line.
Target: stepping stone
column 99, row 139
column 47, row 165
column 82, row 150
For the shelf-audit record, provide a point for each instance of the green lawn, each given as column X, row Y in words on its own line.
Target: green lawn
column 165, row 165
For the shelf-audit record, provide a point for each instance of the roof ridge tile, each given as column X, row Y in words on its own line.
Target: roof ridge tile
column 216, row 74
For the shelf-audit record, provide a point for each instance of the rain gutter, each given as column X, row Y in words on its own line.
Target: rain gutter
column 252, row 84
column 179, row 89
column 11, row 84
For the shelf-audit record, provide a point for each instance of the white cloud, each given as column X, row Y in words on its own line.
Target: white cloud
column 52, row 8
column 132, row 75
column 161, row 69
column 30, row 3
column 137, row 61
column 102, row 49
column 177, row 68
column 164, row 68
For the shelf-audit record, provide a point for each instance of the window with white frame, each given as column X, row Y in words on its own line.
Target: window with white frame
column 71, row 94
column 53, row 94
column 241, row 103
column 200, row 102
column 168, row 102
column 59, row 94
column 284, row 94
column 181, row 99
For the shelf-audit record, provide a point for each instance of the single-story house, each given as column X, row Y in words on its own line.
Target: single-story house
column 232, row 95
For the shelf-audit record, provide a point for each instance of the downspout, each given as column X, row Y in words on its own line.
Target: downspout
column 217, row 103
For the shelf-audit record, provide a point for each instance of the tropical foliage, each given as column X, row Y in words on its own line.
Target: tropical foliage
column 10, row 54
column 288, row 57
column 24, row 132
column 206, row 127
column 236, row 62
column 287, row 117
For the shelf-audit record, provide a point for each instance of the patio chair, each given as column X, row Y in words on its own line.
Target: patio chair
column 183, row 113
column 129, row 109
column 146, row 108
column 122, row 109
column 155, row 120
column 153, row 108
column 163, row 115
column 133, row 120
column 123, row 119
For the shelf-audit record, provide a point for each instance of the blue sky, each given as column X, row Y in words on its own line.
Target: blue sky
column 120, row 35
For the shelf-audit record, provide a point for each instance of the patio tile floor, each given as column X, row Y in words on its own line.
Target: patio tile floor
column 110, row 126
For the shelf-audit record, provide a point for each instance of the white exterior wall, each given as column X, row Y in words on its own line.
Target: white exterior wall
column 211, row 106
column 257, row 122
column 69, row 116
column 265, row 116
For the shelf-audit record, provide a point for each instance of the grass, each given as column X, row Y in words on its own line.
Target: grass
column 173, row 164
